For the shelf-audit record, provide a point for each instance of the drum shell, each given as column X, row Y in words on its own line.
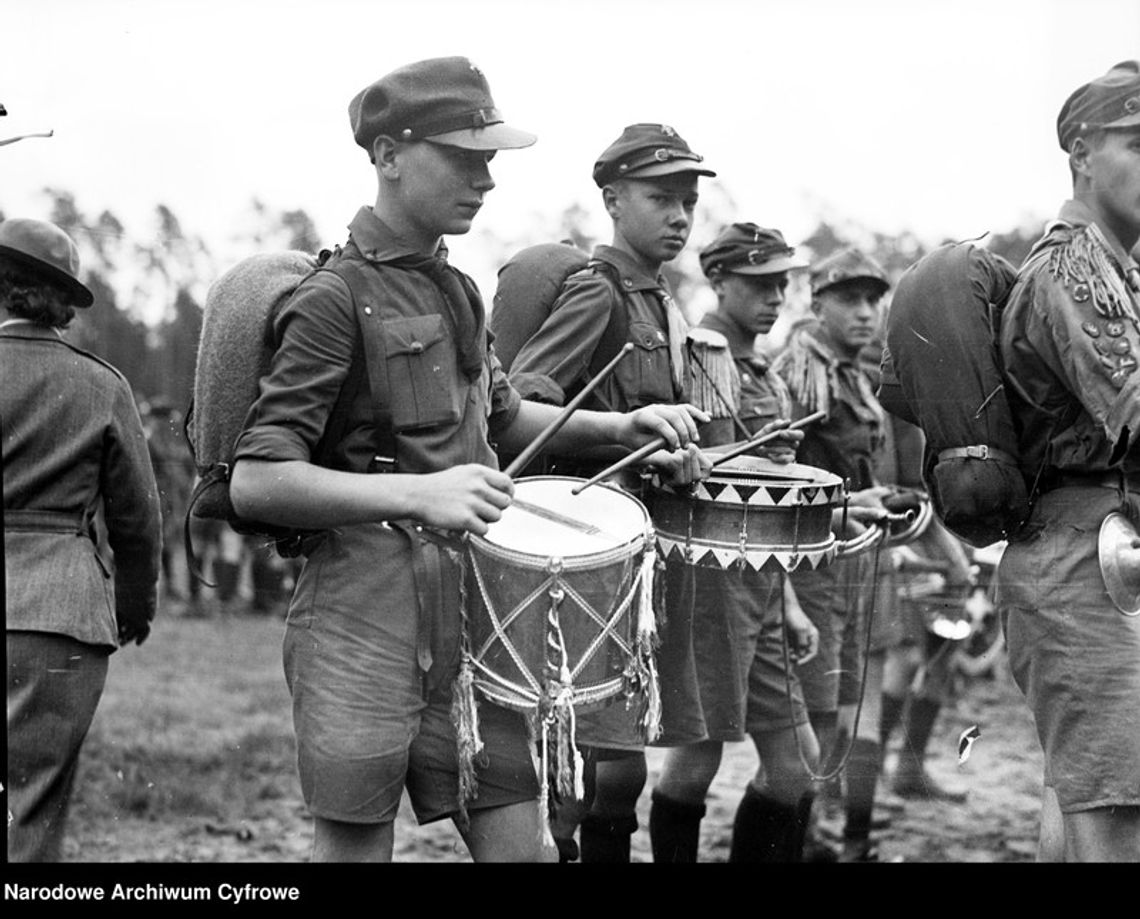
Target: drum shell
column 749, row 511
column 509, row 597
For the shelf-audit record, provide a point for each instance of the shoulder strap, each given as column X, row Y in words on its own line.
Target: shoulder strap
column 385, row 443
column 617, row 329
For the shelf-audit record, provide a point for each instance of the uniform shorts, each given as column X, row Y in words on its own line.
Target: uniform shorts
column 1072, row 653
column 366, row 726
column 721, row 658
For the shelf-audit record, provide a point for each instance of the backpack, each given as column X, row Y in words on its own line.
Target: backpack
column 529, row 284
column 941, row 370
column 234, row 351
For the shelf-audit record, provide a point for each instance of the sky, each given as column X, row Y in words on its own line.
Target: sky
column 930, row 116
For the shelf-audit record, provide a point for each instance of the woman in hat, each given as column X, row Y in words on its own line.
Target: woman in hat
column 73, row 447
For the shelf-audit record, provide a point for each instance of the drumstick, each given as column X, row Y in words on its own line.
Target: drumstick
column 759, row 439
column 654, row 445
column 628, row 460
column 551, row 429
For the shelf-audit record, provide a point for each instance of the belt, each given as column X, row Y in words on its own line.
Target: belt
column 45, row 522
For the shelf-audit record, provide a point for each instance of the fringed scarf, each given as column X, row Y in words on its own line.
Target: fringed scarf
column 814, row 376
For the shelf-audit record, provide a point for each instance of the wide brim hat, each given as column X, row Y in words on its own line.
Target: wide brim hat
column 45, row 248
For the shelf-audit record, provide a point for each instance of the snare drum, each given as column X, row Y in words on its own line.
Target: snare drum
column 750, row 511
column 556, row 592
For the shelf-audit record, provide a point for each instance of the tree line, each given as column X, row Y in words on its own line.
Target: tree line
column 150, row 293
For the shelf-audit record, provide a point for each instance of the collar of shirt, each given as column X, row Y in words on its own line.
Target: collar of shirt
column 1079, row 214
column 740, row 345
column 378, row 242
column 633, row 276
column 26, row 328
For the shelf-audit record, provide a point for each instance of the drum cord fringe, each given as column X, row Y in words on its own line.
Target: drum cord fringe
column 465, row 711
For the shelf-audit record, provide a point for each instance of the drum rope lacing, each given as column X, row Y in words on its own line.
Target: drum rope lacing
column 553, row 706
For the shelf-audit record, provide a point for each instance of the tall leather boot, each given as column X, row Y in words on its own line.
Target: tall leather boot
column 766, row 830
column 605, row 840
column 911, row 780
column 674, row 829
column 862, row 775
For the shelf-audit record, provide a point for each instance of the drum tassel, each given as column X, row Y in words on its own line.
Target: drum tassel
column 464, row 709
column 465, row 717
column 647, row 642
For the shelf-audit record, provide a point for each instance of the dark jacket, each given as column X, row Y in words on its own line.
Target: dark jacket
column 73, row 446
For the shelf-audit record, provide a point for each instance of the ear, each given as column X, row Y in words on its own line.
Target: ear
column 612, row 201
column 384, row 149
column 1079, row 156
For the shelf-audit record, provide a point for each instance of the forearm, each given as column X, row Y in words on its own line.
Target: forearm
column 299, row 494
column 582, row 431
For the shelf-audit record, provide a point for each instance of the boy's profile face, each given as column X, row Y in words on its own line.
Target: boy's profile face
column 441, row 188
column 1111, row 164
column 752, row 301
column 654, row 216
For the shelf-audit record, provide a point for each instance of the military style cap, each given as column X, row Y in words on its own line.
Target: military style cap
column 1111, row 101
column 745, row 248
column 44, row 247
column 847, row 265
column 645, row 151
column 445, row 100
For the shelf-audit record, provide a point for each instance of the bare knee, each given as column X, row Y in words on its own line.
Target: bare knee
column 1103, row 834
column 337, row 841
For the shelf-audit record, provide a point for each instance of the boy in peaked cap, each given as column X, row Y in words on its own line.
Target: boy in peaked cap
column 649, row 181
column 822, row 368
column 648, row 177
column 372, row 640
column 727, row 626
column 1069, row 345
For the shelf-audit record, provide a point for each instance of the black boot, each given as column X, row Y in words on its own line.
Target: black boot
column 605, row 840
column 911, row 779
column 862, row 775
column 889, row 717
column 674, row 829
column 766, row 830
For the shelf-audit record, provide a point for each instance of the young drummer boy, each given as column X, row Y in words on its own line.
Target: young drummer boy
column 373, row 631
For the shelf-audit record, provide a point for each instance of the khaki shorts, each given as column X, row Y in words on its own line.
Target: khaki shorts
column 1072, row 653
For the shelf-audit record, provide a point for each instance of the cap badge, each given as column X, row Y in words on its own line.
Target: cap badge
column 1132, row 106
column 668, row 131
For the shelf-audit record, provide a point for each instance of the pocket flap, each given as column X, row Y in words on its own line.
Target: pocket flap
column 647, row 335
column 412, row 335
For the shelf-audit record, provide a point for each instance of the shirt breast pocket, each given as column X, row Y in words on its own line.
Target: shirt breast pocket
column 646, row 373
column 421, row 366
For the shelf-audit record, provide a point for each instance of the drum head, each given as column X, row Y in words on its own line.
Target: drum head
column 546, row 519
column 757, row 467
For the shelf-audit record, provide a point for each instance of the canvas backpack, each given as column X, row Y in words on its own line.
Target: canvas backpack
column 942, row 371
column 235, row 350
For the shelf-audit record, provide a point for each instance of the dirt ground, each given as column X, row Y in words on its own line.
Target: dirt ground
column 263, row 820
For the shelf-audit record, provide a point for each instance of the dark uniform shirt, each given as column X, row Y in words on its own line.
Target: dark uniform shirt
column 847, row 440
column 440, row 418
column 764, row 397
column 1070, row 342
column 584, row 332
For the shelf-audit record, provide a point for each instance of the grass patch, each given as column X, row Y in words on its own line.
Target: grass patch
column 196, row 722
